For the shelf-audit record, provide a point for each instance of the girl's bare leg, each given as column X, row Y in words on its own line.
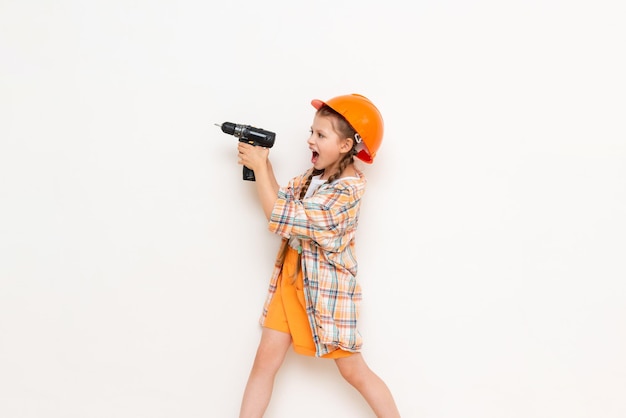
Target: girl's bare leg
column 374, row 390
column 269, row 357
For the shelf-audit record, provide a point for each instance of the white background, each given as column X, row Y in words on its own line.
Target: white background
column 134, row 260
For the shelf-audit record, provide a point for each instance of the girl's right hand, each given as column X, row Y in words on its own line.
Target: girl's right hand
column 253, row 157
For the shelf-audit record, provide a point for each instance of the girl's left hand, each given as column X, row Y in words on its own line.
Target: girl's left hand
column 252, row 157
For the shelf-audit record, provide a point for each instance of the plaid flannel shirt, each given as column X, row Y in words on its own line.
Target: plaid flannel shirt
column 326, row 224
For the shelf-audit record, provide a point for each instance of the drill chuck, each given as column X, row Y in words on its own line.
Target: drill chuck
column 231, row 128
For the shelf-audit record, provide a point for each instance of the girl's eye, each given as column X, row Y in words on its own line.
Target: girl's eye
column 319, row 135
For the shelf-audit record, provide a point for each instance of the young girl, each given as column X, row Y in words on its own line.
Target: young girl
column 313, row 299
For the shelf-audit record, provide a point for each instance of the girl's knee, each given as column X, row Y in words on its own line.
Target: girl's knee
column 271, row 351
column 266, row 363
column 353, row 369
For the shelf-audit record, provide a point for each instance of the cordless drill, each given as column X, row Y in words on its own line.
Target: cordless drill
column 251, row 135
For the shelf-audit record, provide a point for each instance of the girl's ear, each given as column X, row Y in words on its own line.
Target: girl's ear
column 346, row 145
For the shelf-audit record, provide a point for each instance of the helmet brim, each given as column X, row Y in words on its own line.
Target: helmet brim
column 317, row 103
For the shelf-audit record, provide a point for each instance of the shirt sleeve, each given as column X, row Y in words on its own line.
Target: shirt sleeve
column 324, row 218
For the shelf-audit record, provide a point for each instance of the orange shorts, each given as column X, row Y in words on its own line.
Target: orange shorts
column 287, row 311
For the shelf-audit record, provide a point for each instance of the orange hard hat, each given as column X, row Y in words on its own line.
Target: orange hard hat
column 364, row 117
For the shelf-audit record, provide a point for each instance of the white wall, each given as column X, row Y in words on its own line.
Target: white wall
column 134, row 260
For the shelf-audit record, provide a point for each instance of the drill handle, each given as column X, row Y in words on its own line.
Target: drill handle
column 248, row 174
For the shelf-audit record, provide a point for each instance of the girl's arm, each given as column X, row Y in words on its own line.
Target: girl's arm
column 257, row 159
column 329, row 217
column 267, row 188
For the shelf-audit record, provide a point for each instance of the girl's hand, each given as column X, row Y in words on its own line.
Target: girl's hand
column 255, row 158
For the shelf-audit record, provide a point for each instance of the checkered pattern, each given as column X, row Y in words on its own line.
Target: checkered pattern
column 326, row 224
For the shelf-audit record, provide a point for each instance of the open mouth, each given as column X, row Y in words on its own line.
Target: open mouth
column 314, row 156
